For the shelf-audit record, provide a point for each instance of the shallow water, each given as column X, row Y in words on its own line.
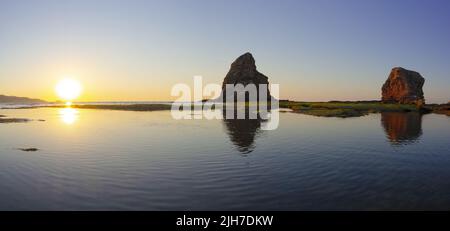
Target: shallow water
column 121, row 160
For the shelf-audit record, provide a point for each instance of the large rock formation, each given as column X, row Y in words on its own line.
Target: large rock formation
column 403, row 86
column 243, row 71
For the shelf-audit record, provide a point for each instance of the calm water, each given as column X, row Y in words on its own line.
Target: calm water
column 117, row 160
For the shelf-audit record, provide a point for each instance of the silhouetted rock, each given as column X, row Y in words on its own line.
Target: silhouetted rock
column 4, row 120
column 403, row 86
column 402, row 128
column 29, row 149
column 243, row 71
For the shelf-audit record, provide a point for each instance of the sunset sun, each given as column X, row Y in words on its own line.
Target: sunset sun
column 68, row 89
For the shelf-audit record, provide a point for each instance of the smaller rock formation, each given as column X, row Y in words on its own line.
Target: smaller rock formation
column 4, row 120
column 403, row 86
column 29, row 149
column 441, row 109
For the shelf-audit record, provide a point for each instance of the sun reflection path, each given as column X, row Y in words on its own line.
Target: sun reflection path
column 68, row 115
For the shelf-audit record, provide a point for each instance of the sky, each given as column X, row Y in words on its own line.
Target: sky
column 315, row 50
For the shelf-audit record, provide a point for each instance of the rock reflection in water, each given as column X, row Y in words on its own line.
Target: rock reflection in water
column 402, row 128
column 243, row 132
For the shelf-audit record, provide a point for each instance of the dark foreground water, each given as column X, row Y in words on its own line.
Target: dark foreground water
column 116, row 160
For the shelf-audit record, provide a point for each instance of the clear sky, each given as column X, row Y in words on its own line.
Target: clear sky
column 136, row 50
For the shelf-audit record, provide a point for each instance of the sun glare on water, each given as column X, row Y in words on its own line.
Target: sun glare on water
column 68, row 115
column 68, row 90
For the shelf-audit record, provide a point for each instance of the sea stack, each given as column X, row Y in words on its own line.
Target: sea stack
column 403, row 86
column 243, row 71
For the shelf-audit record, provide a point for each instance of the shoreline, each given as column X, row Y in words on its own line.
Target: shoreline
column 341, row 109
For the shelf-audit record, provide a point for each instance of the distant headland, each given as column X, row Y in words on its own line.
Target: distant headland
column 19, row 100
